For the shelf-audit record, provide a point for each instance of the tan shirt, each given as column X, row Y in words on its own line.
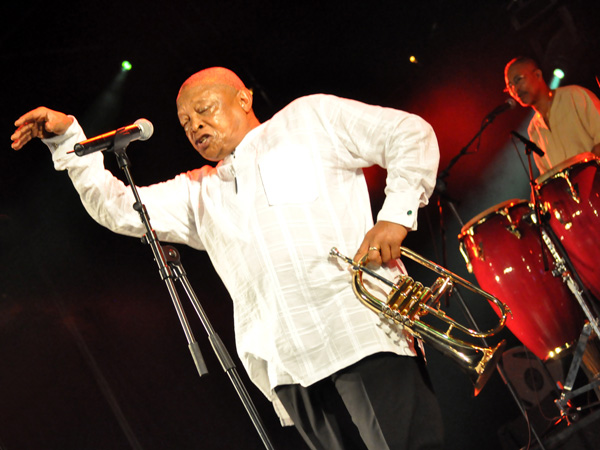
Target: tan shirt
column 574, row 126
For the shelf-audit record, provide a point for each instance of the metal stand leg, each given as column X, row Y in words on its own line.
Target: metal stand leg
column 568, row 393
column 216, row 342
column 563, row 268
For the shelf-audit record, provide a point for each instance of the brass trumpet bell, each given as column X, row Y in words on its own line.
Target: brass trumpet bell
column 409, row 300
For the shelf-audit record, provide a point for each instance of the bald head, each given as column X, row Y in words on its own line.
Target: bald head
column 215, row 110
column 215, row 76
column 525, row 61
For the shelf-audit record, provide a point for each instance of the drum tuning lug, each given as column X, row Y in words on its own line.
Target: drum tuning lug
column 514, row 230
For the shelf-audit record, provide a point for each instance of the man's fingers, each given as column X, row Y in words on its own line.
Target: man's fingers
column 31, row 130
column 374, row 256
column 29, row 126
column 379, row 255
column 27, row 132
column 382, row 243
column 21, row 136
column 36, row 115
column 385, row 254
column 363, row 251
column 372, row 252
column 395, row 252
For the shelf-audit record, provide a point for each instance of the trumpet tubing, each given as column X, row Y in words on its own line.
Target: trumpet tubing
column 409, row 300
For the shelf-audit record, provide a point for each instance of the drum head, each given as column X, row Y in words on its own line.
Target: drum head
column 559, row 168
column 482, row 217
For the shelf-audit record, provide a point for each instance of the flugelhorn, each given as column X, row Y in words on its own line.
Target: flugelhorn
column 408, row 301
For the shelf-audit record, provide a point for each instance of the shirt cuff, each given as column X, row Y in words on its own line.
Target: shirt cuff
column 401, row 209
column 62, row 146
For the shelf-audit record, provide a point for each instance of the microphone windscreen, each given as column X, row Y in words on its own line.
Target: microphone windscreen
column 146, row 129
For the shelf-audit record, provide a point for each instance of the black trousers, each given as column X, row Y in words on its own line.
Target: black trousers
column 384, row 401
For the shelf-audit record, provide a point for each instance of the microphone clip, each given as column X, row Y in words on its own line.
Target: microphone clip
column 529, row 145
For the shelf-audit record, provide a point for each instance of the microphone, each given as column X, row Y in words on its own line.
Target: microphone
column 528, row 144
column 141, row 129
column 508, row 104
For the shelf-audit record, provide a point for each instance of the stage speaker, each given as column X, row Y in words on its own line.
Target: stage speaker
column 532, row 379
column 535, row 383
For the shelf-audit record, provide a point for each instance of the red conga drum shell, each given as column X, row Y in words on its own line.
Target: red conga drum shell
column 571, row 193
column 503, row 250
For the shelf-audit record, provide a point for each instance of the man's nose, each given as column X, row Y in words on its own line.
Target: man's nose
column 197, row 124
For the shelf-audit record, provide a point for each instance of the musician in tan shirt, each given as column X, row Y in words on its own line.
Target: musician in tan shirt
column 567, row 119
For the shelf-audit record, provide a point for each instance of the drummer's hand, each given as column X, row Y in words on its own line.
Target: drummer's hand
column 39, row 123
column 382, row 243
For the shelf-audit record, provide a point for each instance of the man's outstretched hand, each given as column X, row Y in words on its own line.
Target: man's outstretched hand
column 39, row 123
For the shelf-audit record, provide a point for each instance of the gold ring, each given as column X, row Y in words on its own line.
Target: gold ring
column 374, row 248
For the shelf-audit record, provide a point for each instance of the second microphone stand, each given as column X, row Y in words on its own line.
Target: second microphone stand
column 441, row 187
column 171, row 270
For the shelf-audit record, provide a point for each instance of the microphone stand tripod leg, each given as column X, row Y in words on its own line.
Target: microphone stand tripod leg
column 218, row 346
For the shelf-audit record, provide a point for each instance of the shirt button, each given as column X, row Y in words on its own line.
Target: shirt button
column 409, row 212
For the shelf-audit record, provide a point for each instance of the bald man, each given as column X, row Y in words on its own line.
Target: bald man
column 284, row 192
column 567, row 119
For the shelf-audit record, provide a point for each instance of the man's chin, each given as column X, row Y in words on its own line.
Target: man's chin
column 524, row 100
column 211, row 154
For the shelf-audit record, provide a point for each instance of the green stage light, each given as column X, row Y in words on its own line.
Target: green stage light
column 126, row 65
column 557, row 77
column 558, row 73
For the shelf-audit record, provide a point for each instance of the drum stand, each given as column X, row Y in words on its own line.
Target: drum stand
column 171, row 270
column 567, row 394
column 565, row 269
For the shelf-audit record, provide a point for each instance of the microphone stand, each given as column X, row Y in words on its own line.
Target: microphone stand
column 171, row 270
column 440, row 189
column 444, row 173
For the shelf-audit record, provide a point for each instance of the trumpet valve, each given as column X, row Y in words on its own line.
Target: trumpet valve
column 406, row 298
column 441, row 286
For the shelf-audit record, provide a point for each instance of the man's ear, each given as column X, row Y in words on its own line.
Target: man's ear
column 245, row 98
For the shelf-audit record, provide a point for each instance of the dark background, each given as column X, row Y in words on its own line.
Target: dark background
column 92, row 355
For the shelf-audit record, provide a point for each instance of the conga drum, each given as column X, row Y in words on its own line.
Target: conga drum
column 503, row 249
column 570, row 192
